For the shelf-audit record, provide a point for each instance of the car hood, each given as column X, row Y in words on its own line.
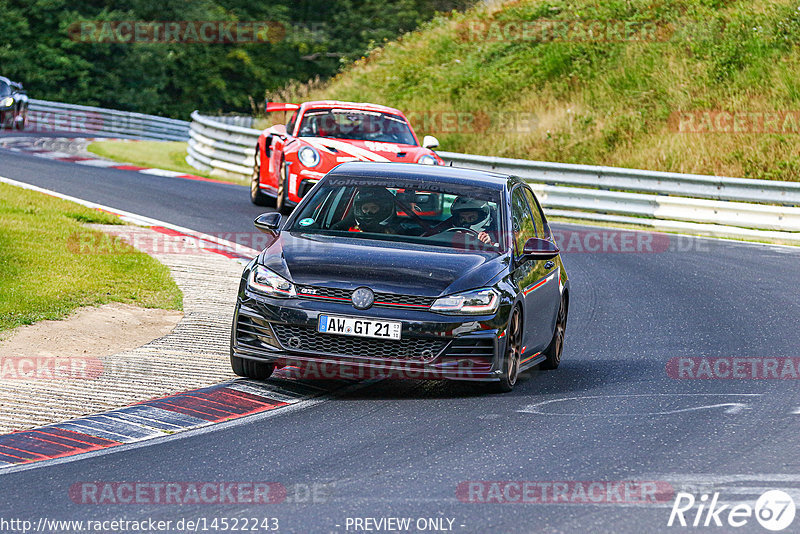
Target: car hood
column 383, row 266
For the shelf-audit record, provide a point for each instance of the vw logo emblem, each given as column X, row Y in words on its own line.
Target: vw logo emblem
column 362, row 298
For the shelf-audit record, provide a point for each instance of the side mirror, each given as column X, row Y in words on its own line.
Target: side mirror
column 269, row 223
column 429, row 141
column 539, row 249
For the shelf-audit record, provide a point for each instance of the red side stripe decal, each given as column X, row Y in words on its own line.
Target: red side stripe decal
column 538, row 284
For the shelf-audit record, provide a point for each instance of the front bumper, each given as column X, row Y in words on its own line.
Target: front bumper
column 432, row 346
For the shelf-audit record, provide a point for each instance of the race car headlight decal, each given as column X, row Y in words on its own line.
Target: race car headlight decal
column 427, row 159
column 7, row 101
column 308, row 156
column 476, row 302
column 264, row 281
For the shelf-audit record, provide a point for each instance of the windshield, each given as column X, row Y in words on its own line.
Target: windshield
column 5, row 90
column 359, row 125
column 425, row 213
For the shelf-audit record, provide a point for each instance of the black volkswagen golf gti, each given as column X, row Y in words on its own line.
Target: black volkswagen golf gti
column 405, row 270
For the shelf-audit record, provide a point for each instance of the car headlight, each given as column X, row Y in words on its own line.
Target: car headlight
column 475, row 302
column 264, row 281
column 308, row 156
column 7, row 101
column 427, row 159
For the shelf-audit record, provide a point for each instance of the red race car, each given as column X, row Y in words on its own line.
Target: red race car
column 320, row 135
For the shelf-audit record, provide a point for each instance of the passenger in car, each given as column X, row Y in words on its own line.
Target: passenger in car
column 471, row 215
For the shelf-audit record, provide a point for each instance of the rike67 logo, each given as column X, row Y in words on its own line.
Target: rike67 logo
column 774, row 510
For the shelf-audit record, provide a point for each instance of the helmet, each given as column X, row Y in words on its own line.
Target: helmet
column 379, row 196
column 462, row 205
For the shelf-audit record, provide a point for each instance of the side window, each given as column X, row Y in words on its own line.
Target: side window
column 290, row 124
column 538, row 217
column 521, row 220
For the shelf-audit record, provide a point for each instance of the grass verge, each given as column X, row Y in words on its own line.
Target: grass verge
column 169, row 155
column 41, row 277
column 482, row 85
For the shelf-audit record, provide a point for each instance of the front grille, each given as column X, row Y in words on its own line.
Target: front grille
column 402, row 300
column 254, row 332
column 305, row 339
column 381, row 299
column 323, row 292
column 470, row 348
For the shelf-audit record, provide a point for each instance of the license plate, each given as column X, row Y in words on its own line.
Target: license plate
column 352, row 326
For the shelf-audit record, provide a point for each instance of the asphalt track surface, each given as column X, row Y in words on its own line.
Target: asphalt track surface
column 611, row 412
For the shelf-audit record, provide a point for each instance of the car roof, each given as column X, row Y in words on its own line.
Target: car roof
column 415, row 171
column 15, row 85
column 350, row 105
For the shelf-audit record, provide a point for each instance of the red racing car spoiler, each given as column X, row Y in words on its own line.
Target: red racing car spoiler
column 278, row 106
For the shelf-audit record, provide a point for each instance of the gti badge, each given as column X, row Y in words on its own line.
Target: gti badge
column 362, row 298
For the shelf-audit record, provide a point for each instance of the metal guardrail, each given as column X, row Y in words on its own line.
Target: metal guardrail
column 711, row 200
column 221, row 148
column 663, row 183
column 45, row 116
column 708, row 205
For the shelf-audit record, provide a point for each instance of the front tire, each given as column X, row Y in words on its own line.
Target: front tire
column 258, row 197
column 20, row 124
column 553, row 351
column 513, row 353
column 251, row 368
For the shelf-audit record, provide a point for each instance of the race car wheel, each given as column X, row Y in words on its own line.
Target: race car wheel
column 258, row 197
column 513, row 353
column 553, row 351
column 282, row 198
column 20, row 124
column 251, row 368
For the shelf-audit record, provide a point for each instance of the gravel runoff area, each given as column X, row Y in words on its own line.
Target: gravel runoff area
column 36, row 391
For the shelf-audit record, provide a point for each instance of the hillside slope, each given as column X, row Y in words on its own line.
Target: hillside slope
column 701, row 86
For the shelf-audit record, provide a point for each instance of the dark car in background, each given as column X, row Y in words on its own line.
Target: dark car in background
column 13, row 105
column 410, row 270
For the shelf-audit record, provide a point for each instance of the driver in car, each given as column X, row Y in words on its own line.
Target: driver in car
column 373, row 211
column 470, row 215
